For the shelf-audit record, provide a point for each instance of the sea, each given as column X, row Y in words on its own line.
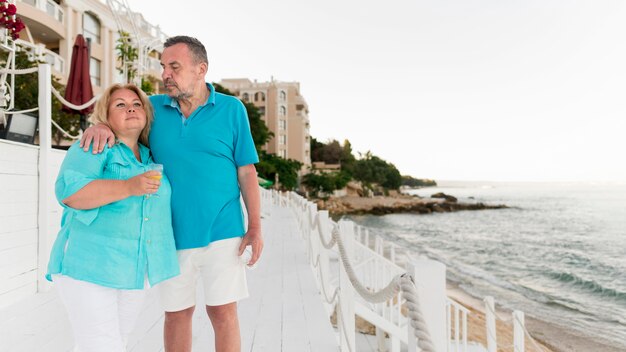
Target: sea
column 558, row 252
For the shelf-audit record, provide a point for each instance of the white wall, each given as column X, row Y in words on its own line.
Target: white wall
column 19, row 229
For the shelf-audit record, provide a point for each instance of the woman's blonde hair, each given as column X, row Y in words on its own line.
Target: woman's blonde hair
column 101, row 110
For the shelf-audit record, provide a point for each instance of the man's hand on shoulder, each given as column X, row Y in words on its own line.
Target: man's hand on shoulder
column 100, row 135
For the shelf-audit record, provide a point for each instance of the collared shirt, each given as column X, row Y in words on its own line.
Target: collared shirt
column 201, row 156
column 118, row 244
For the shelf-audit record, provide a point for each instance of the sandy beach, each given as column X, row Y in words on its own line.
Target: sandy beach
column 548, row 336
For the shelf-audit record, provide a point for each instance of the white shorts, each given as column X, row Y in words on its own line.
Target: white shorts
column 222, row 272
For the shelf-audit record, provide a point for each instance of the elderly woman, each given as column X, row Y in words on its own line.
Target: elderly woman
column 116, row 235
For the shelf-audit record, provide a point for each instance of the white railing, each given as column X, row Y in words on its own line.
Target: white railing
column 48, row 6
column 38, row 52
column 364, row 283
column 374, row 262
column 456, row 321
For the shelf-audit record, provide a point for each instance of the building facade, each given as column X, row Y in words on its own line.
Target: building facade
column 52, row 27
column 285, row 113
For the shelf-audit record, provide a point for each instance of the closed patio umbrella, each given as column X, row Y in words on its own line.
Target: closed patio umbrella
column 79, row 90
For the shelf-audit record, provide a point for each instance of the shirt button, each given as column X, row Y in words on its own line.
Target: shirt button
column 145, row 219
column 148, row 241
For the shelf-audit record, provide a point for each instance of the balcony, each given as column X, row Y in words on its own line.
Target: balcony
column 48, row 6
column 44, row 18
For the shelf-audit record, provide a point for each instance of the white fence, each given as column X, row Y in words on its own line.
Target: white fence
column 348, row 281
column 29, row 214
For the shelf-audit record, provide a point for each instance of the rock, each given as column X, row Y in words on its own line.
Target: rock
column 442, row 195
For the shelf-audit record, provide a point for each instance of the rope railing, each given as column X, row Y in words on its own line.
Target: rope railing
column 72, row 106
column 20, row 71
column 402, row 282
column 7, row 71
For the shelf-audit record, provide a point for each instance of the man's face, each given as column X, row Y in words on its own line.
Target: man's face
column 180, row 73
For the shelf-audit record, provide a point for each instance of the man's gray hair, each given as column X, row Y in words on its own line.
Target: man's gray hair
column 198, row 51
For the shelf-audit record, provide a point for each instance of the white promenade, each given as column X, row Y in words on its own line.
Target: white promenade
column 283, row 313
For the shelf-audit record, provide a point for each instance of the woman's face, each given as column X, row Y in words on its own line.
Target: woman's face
column 126, row 114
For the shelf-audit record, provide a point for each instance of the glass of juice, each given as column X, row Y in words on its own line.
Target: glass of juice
column 159, row 169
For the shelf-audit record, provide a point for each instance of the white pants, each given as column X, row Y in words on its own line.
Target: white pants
column 101, row 317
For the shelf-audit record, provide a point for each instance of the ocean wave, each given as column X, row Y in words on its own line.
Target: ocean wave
column 589, row 286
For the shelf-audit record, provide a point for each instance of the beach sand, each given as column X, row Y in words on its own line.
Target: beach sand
column 548, row 336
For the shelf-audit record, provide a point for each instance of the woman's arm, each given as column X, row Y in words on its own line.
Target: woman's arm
column 102, row 192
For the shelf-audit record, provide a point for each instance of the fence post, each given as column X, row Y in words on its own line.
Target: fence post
column 347, row 338
column 45, row 178
column 430, row 281
column 490, row 318
column 518, row 331
column 311, row 215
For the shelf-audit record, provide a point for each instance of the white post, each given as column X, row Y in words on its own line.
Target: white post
column 518, row 331
column 347, row 339
column 310, row 232
column 430, row 280
column 45, row 178
column 490, row 317
column 324, row 269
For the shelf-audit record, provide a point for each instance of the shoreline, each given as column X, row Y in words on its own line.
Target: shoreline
column 549, row 336
column 402, row 203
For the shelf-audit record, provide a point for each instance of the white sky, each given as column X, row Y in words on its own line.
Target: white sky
column 531, row 90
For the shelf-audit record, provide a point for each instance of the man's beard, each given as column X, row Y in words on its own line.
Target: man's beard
column 176, row 93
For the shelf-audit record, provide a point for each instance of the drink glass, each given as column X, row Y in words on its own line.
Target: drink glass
column 159, row 169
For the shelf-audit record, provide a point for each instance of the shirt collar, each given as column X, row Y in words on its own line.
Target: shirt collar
column 168, row 101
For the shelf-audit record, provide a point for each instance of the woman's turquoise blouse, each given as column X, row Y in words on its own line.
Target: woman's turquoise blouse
column 116, row 245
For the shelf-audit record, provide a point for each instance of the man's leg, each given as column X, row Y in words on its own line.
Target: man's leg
column 177, row 330
column 226, row 327
column 178, row 298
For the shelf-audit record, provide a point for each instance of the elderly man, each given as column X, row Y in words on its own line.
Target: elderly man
column 203, row 140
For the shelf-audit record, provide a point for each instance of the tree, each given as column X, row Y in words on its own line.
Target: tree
column 287, row 169
column 372, row 169
column 416, row 182
column 127, row 54
column 28, row 87
column 326, row 182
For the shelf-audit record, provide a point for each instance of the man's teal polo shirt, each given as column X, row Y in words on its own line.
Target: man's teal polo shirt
column 200, row 155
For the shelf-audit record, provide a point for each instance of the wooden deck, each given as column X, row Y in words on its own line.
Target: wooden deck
column 284, row 311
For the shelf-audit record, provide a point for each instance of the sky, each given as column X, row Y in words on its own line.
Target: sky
column 496, row 90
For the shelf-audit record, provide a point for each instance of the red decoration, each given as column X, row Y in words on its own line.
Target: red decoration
column 9, row 20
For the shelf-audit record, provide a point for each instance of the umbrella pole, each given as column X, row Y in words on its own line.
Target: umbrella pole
column 83, row 122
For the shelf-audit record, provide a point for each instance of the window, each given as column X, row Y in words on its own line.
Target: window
column 283, row 111
column 282, row 139
column 259, row 96
column 91, row 27
column 283, row 154
column 282, row 124
column 262, row 110
column 245, row 97
column 283, row 95
column 94, row 71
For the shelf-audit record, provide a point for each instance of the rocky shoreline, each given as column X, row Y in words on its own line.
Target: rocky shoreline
column 381, row 205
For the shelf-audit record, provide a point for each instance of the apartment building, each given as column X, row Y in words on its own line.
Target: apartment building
column 52, row 27
column 285, row 113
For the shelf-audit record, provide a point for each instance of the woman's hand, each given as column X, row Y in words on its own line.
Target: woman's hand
column 146, row 183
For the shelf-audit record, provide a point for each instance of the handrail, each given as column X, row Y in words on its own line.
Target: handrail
column 307, row 214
